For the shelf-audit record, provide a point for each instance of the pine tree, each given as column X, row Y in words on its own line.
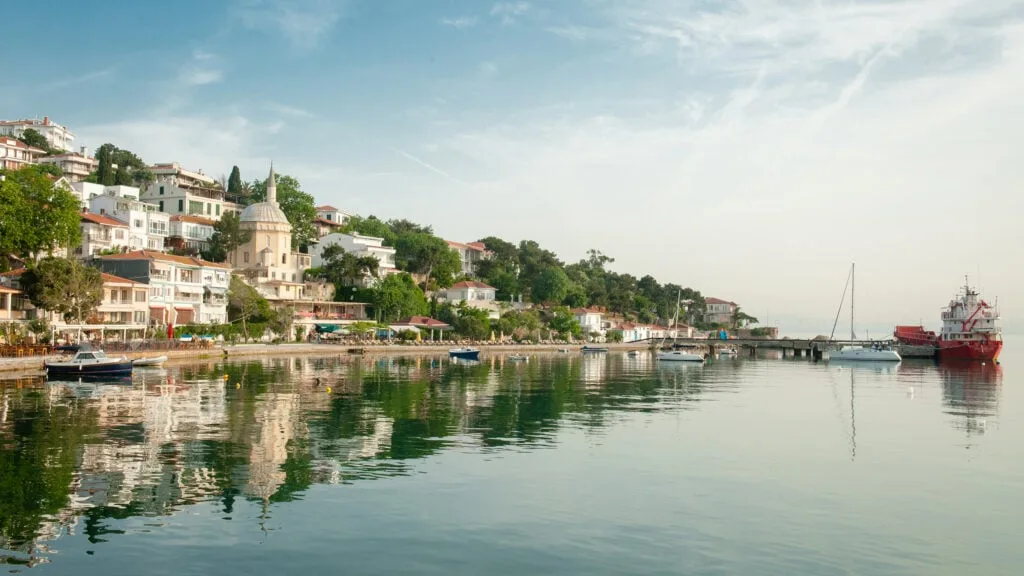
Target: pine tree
column 123, row 177
column 235, row 181
column 105, row 172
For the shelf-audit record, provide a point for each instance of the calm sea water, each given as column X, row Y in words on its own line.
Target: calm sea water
column 564, row 464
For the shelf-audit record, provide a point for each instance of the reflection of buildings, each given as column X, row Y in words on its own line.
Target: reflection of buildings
column 970, row 394
column 276, row 422
column 593, row 369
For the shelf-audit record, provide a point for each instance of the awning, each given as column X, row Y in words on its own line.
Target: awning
column 327, row 328
column 216, row 290
column 190, row 289
column 189, row 308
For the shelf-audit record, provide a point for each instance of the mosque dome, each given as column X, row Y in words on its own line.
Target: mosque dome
column 269, row 211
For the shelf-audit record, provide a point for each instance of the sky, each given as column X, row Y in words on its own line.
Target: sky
column 751, row 149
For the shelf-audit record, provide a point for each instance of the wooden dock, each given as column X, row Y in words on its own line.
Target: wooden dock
column 789, row 346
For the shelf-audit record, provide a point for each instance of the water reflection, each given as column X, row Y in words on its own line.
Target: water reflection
column 76, row 457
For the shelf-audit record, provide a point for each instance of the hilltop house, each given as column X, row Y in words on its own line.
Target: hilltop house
column 590, row 320
column 189, row 232
column 15, row 154
column 76, row 166
column 360, row 246
column 147, row 227
column 101, row 233
column 178, row 191
column 474, row 294
column 329, row 220
column 719, row 311
column 57, row 136
column 469, row 255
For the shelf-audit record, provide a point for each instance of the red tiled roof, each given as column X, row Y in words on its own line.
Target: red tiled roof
column 478, row 246
column 13, row 273
column 327, row 209
column 9, row 141
column 717, row 301
column 160, row 256
column 102, row 219
column 193, row 219
column 421, row 322
column 472, row 284
column 587, row 311
column 326, row 222
column 111, row 279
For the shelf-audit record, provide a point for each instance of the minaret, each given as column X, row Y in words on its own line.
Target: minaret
column 272, row 187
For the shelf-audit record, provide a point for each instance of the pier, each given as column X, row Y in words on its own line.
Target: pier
column 789, row 346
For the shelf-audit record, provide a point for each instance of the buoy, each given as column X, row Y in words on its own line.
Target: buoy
column 328, row 389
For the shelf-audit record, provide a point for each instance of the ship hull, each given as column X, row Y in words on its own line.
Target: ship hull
column 970, row 351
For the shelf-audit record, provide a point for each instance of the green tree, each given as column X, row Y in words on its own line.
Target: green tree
column 472, row 322
column 424, row 253
column 345, row 268
column 741, row 318
column 563, row 322
column 227, row 236
column 105, row 170
column 235, row 181
column 35, row 139
column 64, row 286
column 519, row 324
column 245, row 305
column 123, row 176
column 370, row 226
column 298, row 206
column 397, row 296
column 36, row 216
column 551, row 285
column 51, row 169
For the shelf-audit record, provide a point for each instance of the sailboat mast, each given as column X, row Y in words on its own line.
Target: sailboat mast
column 853, row 291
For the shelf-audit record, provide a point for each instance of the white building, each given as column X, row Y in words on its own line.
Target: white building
column 182, row 290
column 333, row 215
column 99, row 233
column 719, row 311
column 15, row 154
column 590, row 320
column 177, row 191
column 57, row 136
column 148, row 228
column 470, row 254
column 360, row 246
column 124, row 302
column 475, row 295
column 75, row 165
column 190, row 232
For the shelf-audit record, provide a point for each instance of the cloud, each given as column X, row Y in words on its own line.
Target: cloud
column 200, row 70
column 304, row 23
column 286, row 110
column 508, row 12
column 571, row 32
column 426, row 165
column 461, row 22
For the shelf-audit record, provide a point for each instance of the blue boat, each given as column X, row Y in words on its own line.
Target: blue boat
column 90, row 363
column 464, row 353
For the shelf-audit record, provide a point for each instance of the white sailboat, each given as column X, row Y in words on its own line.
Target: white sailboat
column 876, row 353
column 678, row 355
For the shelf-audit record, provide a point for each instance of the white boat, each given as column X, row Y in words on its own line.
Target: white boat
column 678, row 355
column 876, row 353
column 728, row 352
column 518, row 357
column 149, row 361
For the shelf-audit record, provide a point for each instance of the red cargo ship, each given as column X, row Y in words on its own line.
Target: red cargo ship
column 969, row 330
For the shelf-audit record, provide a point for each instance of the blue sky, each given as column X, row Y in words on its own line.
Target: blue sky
column 749, row 148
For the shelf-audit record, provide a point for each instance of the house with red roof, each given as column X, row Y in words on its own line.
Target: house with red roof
column 719, row 311
column 470, row 254
column 474, row 294
column 101, row 233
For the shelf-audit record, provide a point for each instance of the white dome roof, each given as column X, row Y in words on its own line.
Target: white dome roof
column 263, row 212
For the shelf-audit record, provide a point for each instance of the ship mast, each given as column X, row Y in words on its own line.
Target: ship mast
column 853, row 289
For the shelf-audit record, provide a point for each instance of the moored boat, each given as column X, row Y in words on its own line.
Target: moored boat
column 679, row 356
column 90, row 363
column 970, row 330
column 594, row 349
column 149, row 361
column 877, row 352
column 464, row 353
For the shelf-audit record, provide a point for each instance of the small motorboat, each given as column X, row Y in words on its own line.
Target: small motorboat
column 518, row 357
column 464, row 353
column 727, row 352
column 633, row 353
column 679, row 356
column 149, row 361
column 595, row 349
column 88, row 362
column 563, row 350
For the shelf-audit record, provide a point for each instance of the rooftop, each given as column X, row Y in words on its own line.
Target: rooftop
column 472, row 284
column 8, row 141
column 421, row 322
column 111, row 279
column 161, row 257
column 717, row 301
column 478, row 246
column 193, row 219
column 102, row 220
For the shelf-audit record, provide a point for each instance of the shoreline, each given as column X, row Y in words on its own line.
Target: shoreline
column 34, row 365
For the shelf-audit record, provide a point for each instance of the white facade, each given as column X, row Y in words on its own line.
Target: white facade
column 56, row 135
column 475, row 295
column 99, row 233
column 191, row 231
column 360, row 246
column 182, row 290
column 719, row 311
column 177, row 191
column 590, row 320
column 75, row 165
column 469, row 255
column 124, row 302
column 332, row 214
column 15, row 154
column 148, row 228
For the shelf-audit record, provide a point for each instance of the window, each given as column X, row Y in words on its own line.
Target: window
column 195, row 207
column 218, row 209
column 208, row 210
column 140, row 317
column 181, row 205
column 245, row 257
column 293, row 277
column 161, row 193
column 161, row 204
column 140, row 295
column 284, row 258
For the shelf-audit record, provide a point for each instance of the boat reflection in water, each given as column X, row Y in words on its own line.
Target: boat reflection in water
column 876, row 366
column 970, row 393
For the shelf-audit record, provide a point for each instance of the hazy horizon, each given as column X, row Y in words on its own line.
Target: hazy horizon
column 750, row 149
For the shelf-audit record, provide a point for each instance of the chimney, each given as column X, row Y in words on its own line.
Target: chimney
column 46, row 120
column 84, row 151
